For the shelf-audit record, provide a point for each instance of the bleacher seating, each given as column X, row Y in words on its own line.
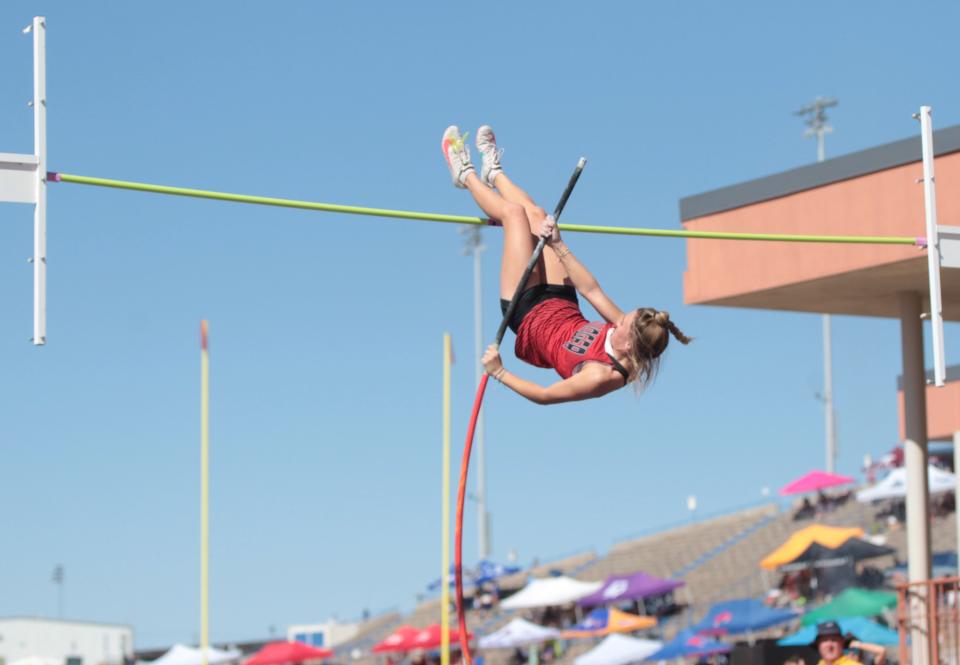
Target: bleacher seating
column 370, row 632
column 718, row 559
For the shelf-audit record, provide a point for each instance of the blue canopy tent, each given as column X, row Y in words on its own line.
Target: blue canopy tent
column 689, row 643
column 485, row 571
column 944, row 565
column 862, row 628
column 746, row 615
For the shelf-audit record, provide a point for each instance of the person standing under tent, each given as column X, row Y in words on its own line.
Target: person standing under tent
column 831, row 642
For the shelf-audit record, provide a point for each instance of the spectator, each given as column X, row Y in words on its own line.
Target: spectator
column 795, row 660
column 830, row 643
column 805, row 511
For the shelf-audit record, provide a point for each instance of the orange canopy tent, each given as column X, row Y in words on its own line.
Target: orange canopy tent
column 828, row 536
column 604, row 621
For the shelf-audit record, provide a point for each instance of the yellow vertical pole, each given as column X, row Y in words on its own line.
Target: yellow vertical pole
column 445, row 512
column 204, row 492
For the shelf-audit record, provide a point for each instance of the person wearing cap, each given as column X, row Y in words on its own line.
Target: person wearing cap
column 830, row 643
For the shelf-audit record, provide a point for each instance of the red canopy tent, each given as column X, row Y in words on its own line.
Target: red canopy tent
column 399, row 640
column 429, row 637
column 278, row 653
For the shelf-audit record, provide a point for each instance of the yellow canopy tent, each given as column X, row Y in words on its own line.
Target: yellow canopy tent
column 828, row 536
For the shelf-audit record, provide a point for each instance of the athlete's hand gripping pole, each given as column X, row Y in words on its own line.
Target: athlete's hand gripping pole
column 477, row 402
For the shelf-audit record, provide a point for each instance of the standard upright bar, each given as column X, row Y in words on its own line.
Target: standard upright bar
column 933, row 245
column 39, row 28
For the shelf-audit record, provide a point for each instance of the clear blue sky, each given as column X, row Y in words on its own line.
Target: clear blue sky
column 326, row 330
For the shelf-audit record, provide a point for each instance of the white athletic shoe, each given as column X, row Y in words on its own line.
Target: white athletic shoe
column 487, row 145
column 457, row 155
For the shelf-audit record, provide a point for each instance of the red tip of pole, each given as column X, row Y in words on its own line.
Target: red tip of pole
column 203, row 335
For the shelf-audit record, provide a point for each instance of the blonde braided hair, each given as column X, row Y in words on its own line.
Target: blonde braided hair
column 649, row 337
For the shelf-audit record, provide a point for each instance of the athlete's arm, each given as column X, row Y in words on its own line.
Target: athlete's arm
column 594, row 380
column 583, row 280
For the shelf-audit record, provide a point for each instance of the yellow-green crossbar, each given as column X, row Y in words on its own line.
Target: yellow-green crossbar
column 463, row 219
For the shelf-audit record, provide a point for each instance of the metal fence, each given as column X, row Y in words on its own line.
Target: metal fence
column 928, row 619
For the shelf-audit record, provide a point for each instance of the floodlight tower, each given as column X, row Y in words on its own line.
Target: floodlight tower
column 815, row 116
column 474, row 245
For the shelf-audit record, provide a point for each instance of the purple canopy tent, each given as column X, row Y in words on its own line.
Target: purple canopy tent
column 629, row 587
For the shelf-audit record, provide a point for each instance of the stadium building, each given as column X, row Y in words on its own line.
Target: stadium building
column 64, row 642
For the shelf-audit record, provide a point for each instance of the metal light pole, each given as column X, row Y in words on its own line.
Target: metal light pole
column 474, row 246
column 815, row 117
column 58, row 580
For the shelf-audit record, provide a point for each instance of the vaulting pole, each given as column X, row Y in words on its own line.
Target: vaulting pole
column 471, row 428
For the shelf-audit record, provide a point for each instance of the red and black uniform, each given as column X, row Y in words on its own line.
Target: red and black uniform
column 553, row 333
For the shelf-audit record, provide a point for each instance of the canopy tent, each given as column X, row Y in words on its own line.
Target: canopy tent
column 861, row 628
column 400, row 639
column 689, row 643
column 451, row 577
column 550, row 591
column 519, row 632
column 851, row 603
column 944, row 564
column 813, row 481
column 430, row 637
column 607, row 620
column 744, row 615
column 180, row 654
column 484, row 571
column 795, row 545
column 894, row 485
column 619, row 650
column 487, row 571
column 278, row 653
column 629, row 587
column 851, row 550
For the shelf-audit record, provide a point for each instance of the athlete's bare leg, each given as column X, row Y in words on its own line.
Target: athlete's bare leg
column 555, row 272
column 518, row 243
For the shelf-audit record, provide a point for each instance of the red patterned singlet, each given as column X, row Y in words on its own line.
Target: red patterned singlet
column 556, row 334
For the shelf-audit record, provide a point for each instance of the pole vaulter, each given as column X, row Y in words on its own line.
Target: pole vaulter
column 477, row 403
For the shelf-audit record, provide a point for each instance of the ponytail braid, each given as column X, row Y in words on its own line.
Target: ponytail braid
column 663, row 318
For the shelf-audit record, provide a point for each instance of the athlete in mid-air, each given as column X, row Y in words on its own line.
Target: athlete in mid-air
column 593, row 358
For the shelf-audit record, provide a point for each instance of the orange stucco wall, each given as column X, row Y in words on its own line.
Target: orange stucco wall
column 884, row 203
column 943, row 411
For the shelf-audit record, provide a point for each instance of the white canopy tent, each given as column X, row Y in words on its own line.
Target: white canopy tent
column 517, row 633
column 550, row 591
column 619, row 649
column 894, row 486
column 180, row 654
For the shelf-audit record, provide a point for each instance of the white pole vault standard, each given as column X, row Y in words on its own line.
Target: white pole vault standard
column 933, row 245
column 23, row 179
column 40, row 180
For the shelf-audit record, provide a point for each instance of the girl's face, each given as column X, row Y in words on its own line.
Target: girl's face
column 621, row 335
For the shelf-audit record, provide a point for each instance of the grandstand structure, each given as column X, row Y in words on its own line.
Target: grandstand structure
column 717, row 558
